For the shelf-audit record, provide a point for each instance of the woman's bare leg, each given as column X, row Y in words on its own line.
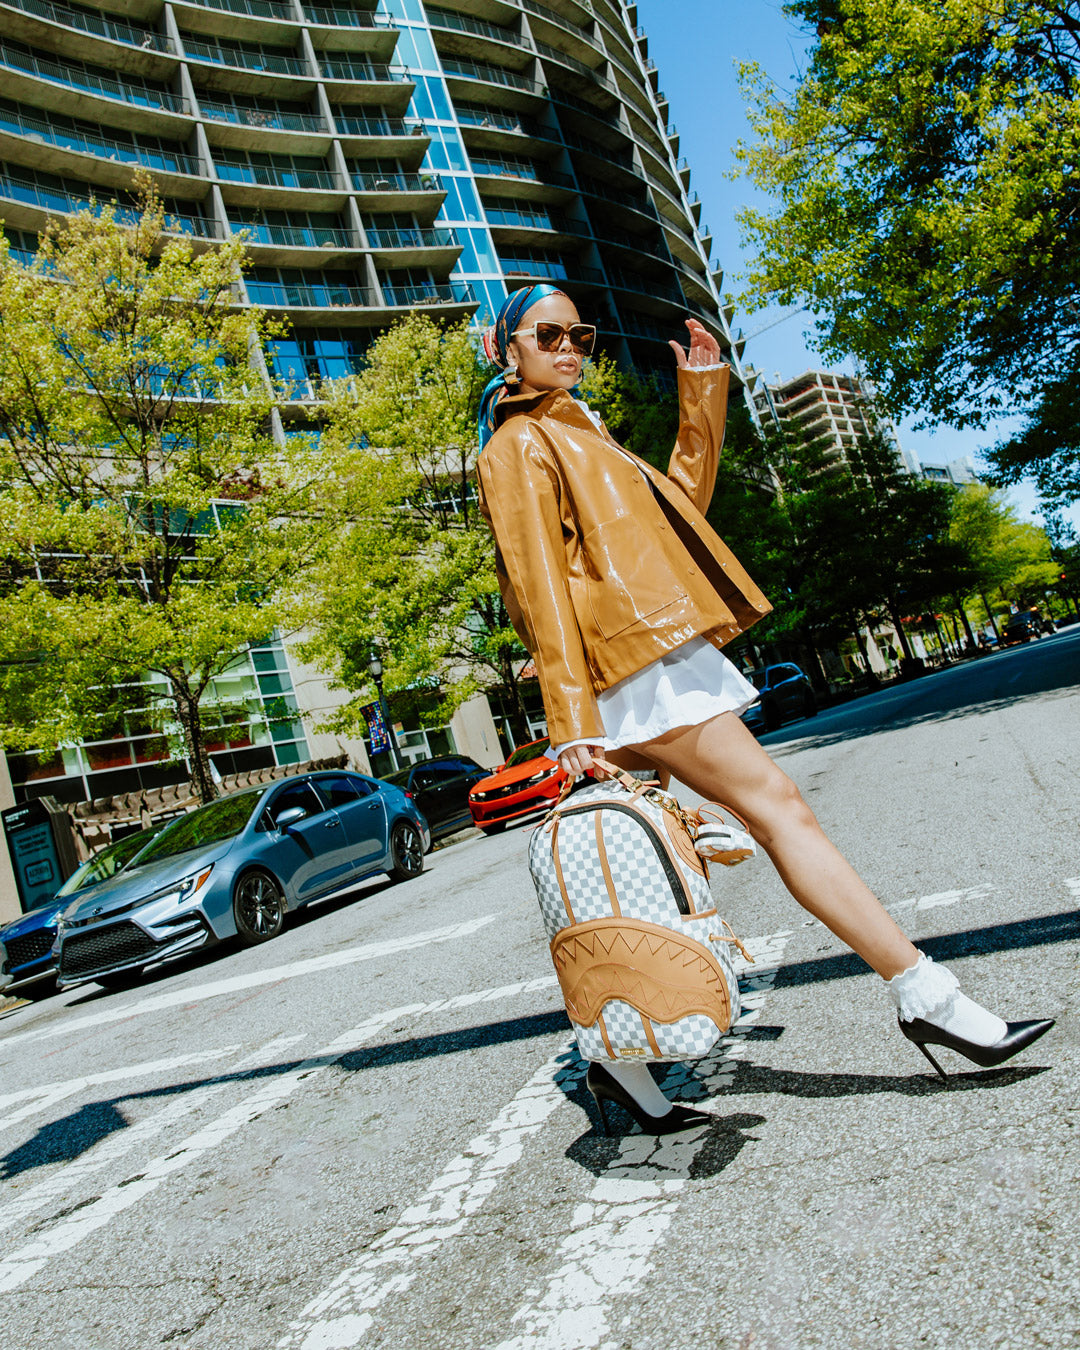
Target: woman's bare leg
column 722, row 761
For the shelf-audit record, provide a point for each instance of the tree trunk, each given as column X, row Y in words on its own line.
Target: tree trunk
column 894, row 615
column 519, row 717
column 189, row 716
column 990, row 614
column 967, row 625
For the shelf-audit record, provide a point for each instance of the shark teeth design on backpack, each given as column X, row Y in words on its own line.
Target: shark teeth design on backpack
column 643, row 961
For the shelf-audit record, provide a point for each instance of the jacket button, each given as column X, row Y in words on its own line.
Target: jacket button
column 661, row 524
column 691, row 571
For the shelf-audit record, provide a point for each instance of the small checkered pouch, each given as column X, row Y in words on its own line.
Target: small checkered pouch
column 643, row 960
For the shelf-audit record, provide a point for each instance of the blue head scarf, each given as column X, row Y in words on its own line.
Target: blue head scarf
column 497, row 339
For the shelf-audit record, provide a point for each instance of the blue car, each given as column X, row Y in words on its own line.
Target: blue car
column 233, row 869
column 28, row 940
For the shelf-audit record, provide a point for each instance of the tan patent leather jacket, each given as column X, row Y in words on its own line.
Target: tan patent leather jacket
column 606, row 564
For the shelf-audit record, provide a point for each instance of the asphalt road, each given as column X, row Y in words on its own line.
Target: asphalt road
column 373, row 1131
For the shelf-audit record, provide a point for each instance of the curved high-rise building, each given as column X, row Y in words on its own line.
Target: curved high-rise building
column 382, row 157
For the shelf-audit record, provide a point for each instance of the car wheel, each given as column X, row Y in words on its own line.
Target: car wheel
column 120, row 979
column 492, row 829
column 258, row 909
column 407, row 852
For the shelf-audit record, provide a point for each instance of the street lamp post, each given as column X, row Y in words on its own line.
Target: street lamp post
column 375, row 668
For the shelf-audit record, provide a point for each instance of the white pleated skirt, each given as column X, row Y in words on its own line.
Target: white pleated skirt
column 688, row 686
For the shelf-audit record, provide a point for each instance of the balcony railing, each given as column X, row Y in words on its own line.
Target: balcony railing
column 624, row 158
column 496, row 119
column 345, row 68
column 554, row 54
column 630, row 281
column 113, row 29
column 378, row 126
column 308, row 296
column 266, row 175
column 16, row 188
column 461, row 23
column 397, row 182
column 433, row 238
column 344, row 18
column 542, row 12
column 89, row 142
column 297, row 236
column 553, row 268
column 532, row 220
column 239, row 59
column 475, row 70
column 523, row 170
column 449, row 293
column 270, row 118
column 256, row 9
column 145, row 96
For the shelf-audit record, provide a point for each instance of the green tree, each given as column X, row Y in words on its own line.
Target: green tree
column 150, row 522
column 1004, row 553
column 926, row 179
column 416, row 575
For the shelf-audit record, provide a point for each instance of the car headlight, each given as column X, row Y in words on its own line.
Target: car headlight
column 539, row 777
column 185, row 888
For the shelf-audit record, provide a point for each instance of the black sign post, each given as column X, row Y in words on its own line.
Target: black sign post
column 41, row 857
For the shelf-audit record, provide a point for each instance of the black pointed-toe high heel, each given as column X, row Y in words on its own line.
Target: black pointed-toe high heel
column 605, row 1088
column 1017, row 1036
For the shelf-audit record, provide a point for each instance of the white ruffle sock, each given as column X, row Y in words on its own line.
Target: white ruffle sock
column 641, row 1085
column 932, row 992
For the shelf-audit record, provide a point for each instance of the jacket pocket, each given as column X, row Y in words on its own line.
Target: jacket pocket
column 627, row 576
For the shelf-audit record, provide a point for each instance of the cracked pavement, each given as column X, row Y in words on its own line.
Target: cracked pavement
column 397, row 1148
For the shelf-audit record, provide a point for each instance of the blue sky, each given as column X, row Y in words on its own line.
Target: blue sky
column 697, row 45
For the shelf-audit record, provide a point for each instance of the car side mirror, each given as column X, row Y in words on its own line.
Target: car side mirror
column 289, row 817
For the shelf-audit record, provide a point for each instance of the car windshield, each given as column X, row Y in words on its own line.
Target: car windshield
column 108, row 862
column 399, row 779
column 527, row 752
column 210, row 824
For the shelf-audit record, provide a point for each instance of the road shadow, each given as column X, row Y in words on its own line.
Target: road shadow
column 69, row 1137
column 943, row 697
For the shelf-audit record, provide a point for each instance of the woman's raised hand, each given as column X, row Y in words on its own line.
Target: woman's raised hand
column 575, row 759
column 704, row 348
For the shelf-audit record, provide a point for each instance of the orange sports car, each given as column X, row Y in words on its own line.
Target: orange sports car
column 528, row 782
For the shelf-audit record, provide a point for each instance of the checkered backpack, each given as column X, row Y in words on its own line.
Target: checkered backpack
column 621, row 874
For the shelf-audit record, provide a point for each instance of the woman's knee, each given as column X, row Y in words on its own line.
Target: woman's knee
column 779, row 806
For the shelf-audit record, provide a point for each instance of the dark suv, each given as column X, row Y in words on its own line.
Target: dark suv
column 440, row 788
column 1022, row 627
column 786, row 693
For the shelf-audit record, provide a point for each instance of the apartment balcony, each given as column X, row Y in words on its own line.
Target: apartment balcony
column 39, row 20
column 279, row 10
column 392, row 137
column 445, row 295
column 292, row 245
column 265, row 119
column 59, row 150
column 637, row 202
column 253, row 21
column 354, row 30
column 548, row 53
column 367, row 82
column 518, row 225
column 318, row 296
column 652, row 287
column 249, row 59
column 77, row 79
column 500, row 176
column 435, row 248
column 259, row 184
column 399, row 191
column 462, row 35
column 518, row 271
column 576, row 30
column 27, row 201
column 505, row 88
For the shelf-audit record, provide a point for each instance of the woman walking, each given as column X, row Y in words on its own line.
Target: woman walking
column 624, row 596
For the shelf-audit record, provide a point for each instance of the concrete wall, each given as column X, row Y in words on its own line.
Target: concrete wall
column 475, row 734
column 317, row 701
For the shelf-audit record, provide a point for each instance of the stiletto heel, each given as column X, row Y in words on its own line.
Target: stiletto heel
column 931, row 1058
column 601, row 1106
column 605, row 1088
column 1018, row 1035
